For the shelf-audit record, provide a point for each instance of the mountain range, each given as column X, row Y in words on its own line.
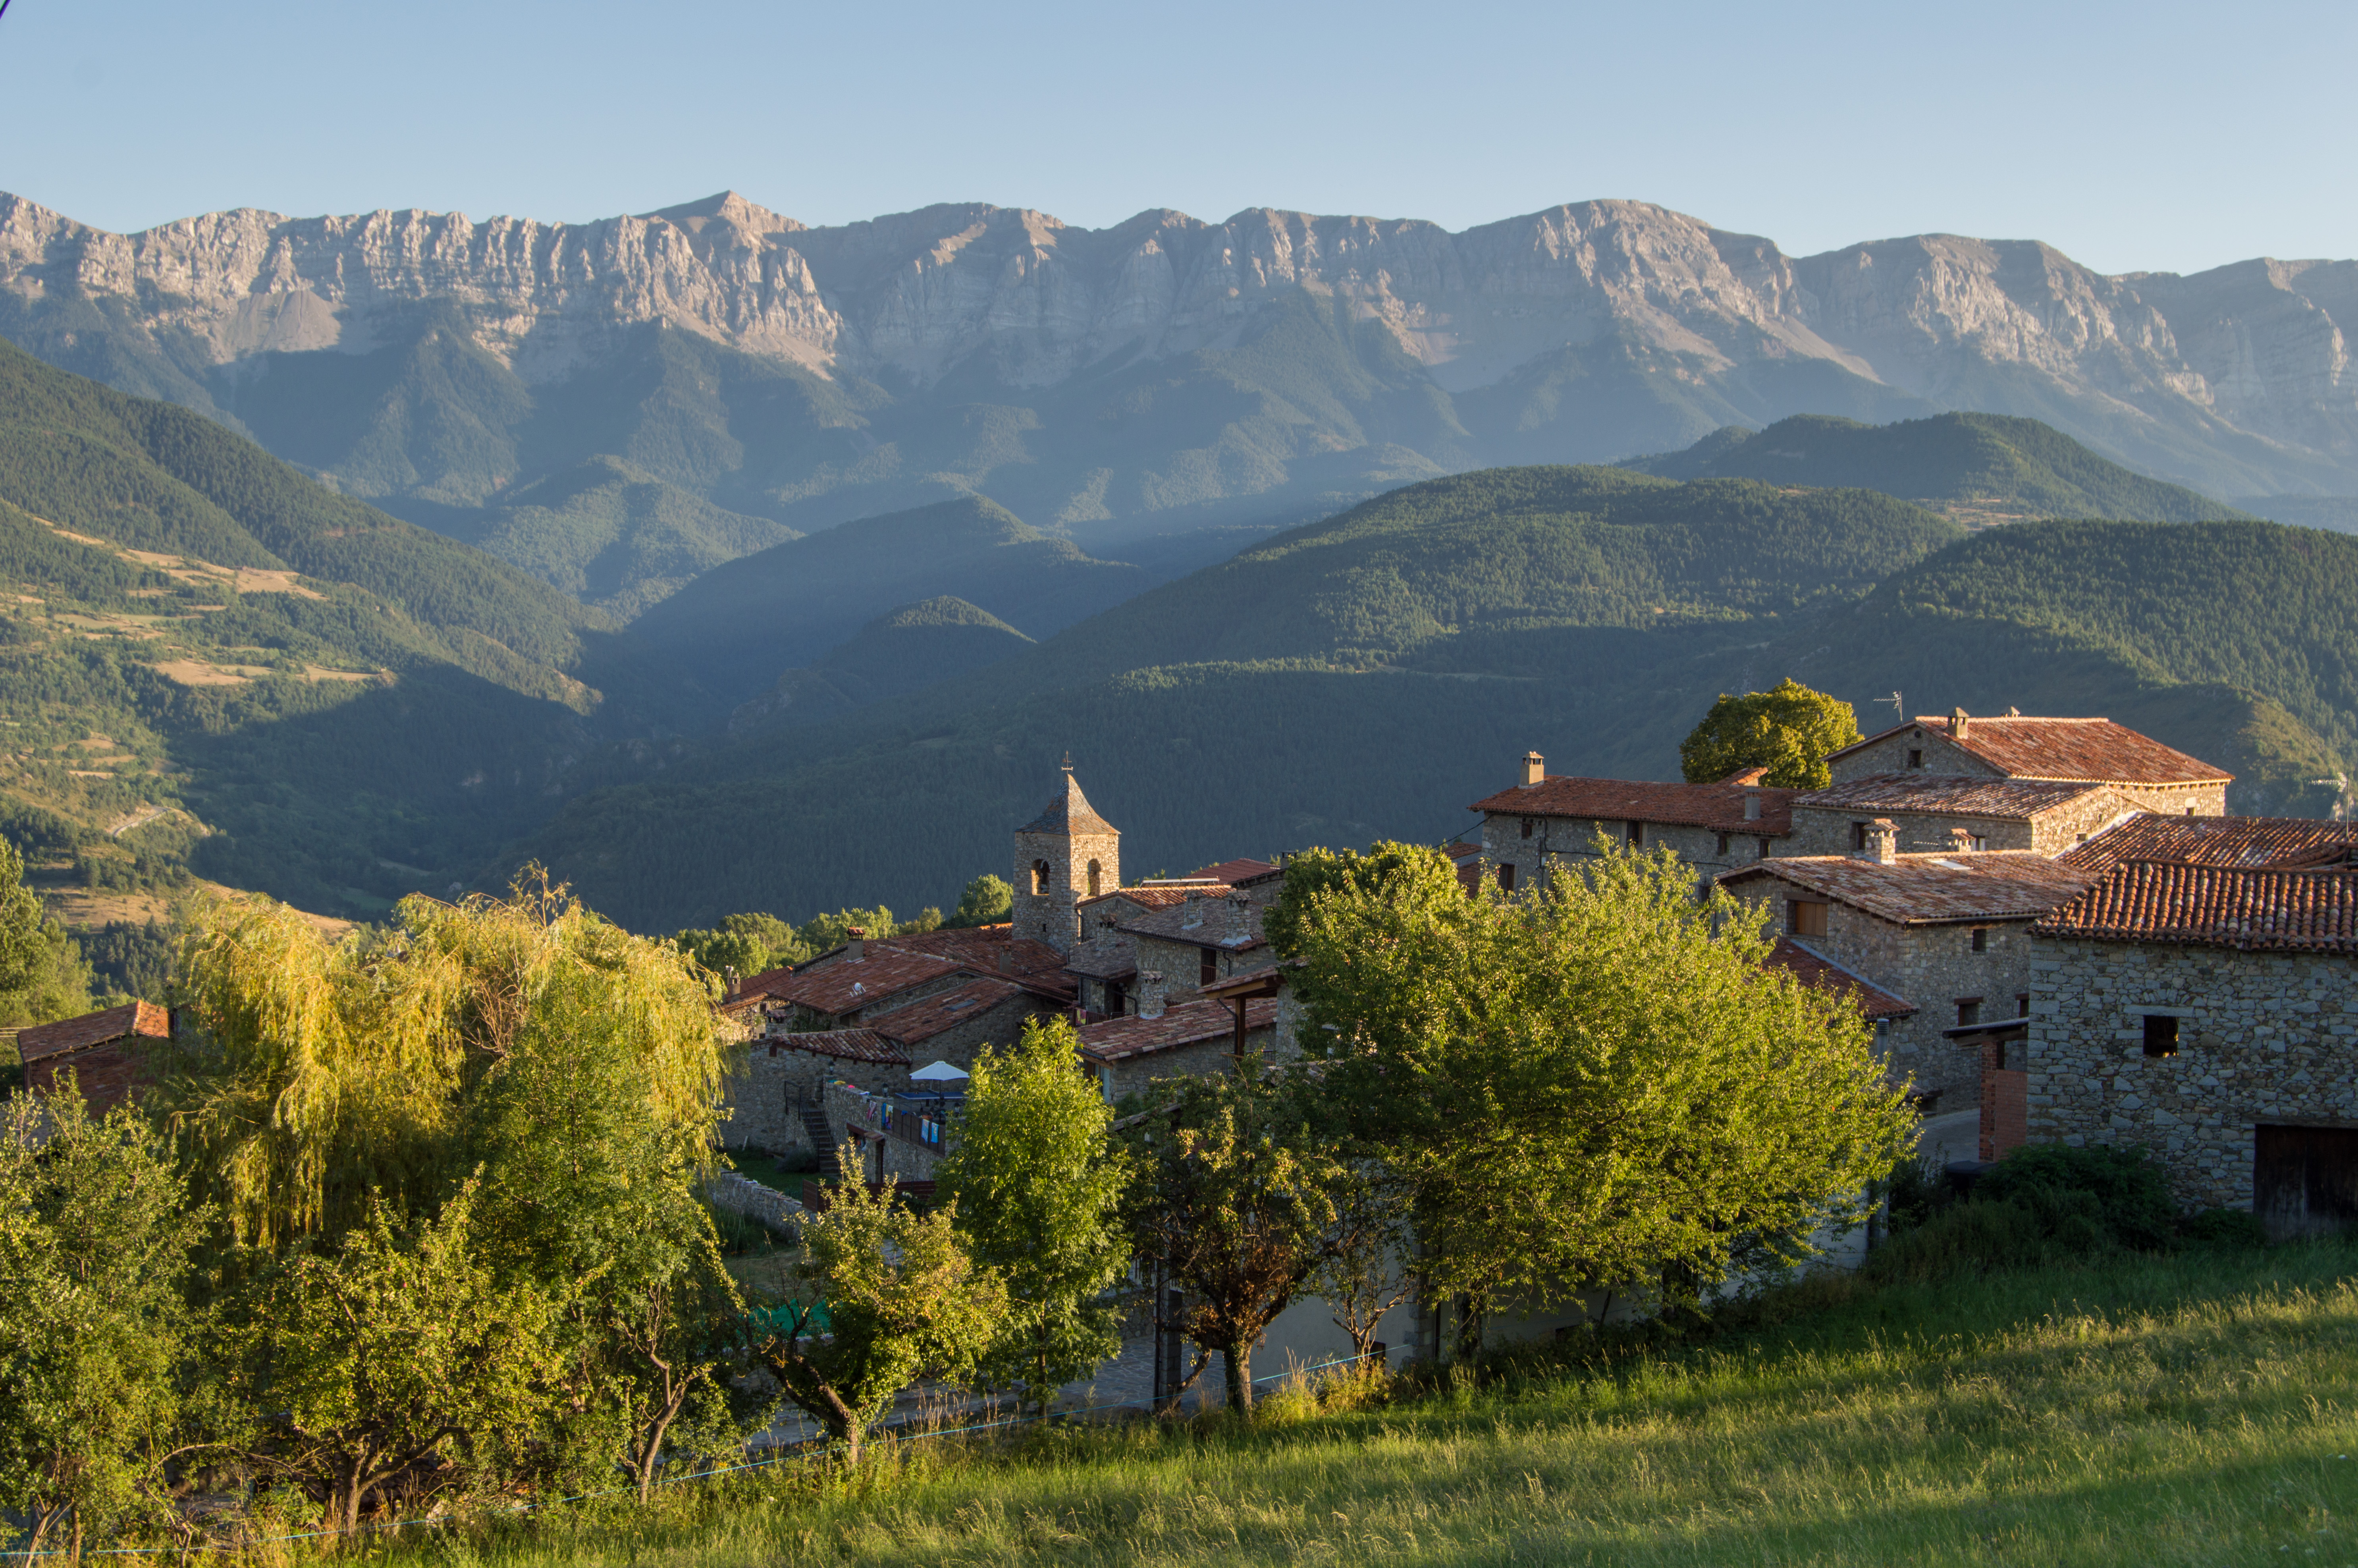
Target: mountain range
column 616, row 405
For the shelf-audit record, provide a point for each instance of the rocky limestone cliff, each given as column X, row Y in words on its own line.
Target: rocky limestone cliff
column 2246, row 362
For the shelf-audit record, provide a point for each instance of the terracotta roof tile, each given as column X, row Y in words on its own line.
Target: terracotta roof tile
column 1146, row 898
column 841, row 1045
column 144, row 1019
column 1213, row 929
column 849, row 983
column 2248, row 909
column 980, row 948
column 1719, row 805
column 1995, row 884
column 2090, row 750
column 1948, row 795
column 2214, row 841
column 921, row 1020
column 1236, row 873
column 1184, row 1023
column 757, row 989
column 1816, row 971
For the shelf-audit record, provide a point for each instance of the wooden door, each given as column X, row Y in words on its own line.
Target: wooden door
column 2304, row 1179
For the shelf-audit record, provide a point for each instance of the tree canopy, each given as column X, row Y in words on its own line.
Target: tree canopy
column 1788, row 730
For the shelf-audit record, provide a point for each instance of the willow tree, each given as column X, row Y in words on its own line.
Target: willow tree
column 325, row 1071
column 1597, row 1087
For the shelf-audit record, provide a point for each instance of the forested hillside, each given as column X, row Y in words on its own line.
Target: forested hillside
column 209, row 660
column 1983, row 468
column 1195, row 759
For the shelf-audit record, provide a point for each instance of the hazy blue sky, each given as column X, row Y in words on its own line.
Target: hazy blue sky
column 2150, row 135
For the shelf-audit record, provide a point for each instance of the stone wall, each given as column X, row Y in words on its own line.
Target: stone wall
column 1181, row 964
column 742, row 1194
column 999, row 1025
column 856, row 1118
column 1050, row 915
column 2261, row 1038
column 1565, row 841
column 1205, row 1058
column 1819, row 830
column 1933, row 966
column 764, row 1082
column 1890, row 756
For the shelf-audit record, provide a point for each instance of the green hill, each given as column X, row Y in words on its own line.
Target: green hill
column 785, row 607
column 350, row 705
column 916, row 646
column 1980, row 468
column 1369, row 676
column 2339, row 513
column 615, row 536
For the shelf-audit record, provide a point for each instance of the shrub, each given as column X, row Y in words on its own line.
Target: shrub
column 2126, row 1195
column 2224, row 1228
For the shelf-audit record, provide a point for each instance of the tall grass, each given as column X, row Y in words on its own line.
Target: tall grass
column 2198, row 1410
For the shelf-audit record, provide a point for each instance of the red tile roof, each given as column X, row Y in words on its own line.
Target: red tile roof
column 2248, row 909
column 758, row 989
column 921, row 1020
column 1915, row 890
column 840, row 1044
column 1184, row 1023
column 981, row 947
column 1719, row 805
column 144, row 1019
column 1103, row 958
column 2090, row 750
column 1236, row 873
column 1948, row 795
column 2214, row 841
column 1824, row 974
column 1156, row 897
column 850, row 983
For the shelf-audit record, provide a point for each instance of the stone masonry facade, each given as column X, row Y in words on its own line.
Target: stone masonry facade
column 1555, row 842
column 766, row 1082
column 1820, row 831
column 2262, row 1038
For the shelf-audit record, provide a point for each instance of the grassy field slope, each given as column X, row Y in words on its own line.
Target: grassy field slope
column 2195, row 1410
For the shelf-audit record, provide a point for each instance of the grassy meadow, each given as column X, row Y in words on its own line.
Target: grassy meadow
column 2199, row 1409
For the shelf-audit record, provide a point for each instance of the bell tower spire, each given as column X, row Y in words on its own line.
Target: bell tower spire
column 1064, row 855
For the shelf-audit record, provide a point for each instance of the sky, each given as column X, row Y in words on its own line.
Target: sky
column 2147, row 138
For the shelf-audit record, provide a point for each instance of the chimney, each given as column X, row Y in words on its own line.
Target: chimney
column 1006, row 961
column 1959, row 721
column 1192, row 909
column 858, row 946
column 1238, row 903
column 1149, row 993
column 1882, row 841
column 1534, row 768
column 1751, row 805
column 1961, row 839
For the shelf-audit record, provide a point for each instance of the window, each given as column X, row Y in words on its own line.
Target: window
column 1527, row 827
column 1636, row 834
column 1981, row 939
column 1806, row 917
column 1115, row 1002
column 1858, row 836
column 1969, row 1011
column 1507, row 876
column 1763, row 844
column 1210, row 970
column 1915, row 759
column 1093, row 878
column 1039, row 879
column 1722, row 846
column 2160, row 1034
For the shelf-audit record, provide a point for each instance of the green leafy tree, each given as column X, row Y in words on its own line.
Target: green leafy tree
column 325, row 1073
column 587, row 1193
column 1363, row 1270
column 42, row 973
column 94, row 1240
column 988, row 901
column 1596, row 1088
column 744, row 945
column 1037, row 1182
column 902, row 1296
column 1234, row 1199
column 398, row 1356
column 822, row 932
column 1789, row 732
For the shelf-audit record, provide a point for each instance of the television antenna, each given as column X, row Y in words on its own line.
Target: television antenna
column 1897, row 710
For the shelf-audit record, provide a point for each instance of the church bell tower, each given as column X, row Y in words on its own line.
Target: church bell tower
column 1064, row 855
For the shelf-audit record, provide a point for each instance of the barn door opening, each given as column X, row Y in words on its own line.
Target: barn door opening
column 2304, row 1179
